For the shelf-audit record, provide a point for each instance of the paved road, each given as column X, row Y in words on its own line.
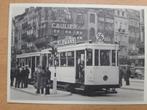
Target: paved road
column 123, row 95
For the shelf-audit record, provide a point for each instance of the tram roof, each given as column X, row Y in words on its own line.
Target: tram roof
column 88, row 46
column 31, row 54
column 73, row 47
column 84, row 46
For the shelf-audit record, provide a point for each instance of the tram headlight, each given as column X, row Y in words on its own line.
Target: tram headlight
column 105, row 78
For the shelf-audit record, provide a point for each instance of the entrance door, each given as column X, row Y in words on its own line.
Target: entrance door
column 80, row 66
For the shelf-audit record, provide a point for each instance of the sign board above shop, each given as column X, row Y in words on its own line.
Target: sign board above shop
column 64, row 26
column 67, row 41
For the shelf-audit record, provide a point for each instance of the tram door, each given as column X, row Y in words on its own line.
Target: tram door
column 80, row 66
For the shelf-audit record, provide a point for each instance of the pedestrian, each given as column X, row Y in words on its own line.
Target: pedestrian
column 22, row 77
column 39, row 76
column 48, row 80
column 27, row 72
column 17, row 74
column 12, row 76
column 36, row 78
column 127, row 77
column 121, row 74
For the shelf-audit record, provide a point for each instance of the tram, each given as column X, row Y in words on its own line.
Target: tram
column 86, row 66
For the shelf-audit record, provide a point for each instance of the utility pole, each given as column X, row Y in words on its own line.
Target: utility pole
column 54, row 53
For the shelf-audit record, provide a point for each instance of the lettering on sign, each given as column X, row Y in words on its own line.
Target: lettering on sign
column 64, row 26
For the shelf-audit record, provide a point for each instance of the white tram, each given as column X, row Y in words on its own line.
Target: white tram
column 89, row 66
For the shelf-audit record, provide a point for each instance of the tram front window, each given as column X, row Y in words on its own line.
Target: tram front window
column 63, row 58
column 70, row 58
column 89, row 57
column 96, row 57
column 50, row 60
column 104, row 57
column 113, row 58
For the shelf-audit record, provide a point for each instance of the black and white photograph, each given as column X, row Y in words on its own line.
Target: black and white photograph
column 76, row 54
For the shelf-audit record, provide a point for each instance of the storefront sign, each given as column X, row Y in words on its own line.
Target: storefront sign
column 64, row 26
column 66, row 41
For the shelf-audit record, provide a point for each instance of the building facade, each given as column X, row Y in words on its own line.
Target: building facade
column 37, row 27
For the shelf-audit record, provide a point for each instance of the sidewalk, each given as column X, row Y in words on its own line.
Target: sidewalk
column 31, row 90
column 135, row 84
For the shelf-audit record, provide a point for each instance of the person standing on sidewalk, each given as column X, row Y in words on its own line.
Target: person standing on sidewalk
column 127, row 76
column 39, row 76
column 26, row 76
column 22, row 77
column 47, row 80
column 121, row 74
column 17, row 72
column 12, row 76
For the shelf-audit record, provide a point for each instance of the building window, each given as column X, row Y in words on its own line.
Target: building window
column 80, row 19
column 92, row 32
column 92, row 18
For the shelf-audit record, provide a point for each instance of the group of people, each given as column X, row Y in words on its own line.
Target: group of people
column 124, row 73
column 42, row 81
column 19, row 76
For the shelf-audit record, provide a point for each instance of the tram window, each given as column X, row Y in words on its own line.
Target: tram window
column 96, row 57
column 37, row 60
column 113, row 58
column 50, row 60
column 80, row 57
column 70, row 58
column 104, row 57
column 89, row 57
column 63, row 58
column 29, row 61
column 57, row 60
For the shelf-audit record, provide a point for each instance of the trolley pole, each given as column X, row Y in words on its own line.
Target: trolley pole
column 55, row 78
column 54, row 53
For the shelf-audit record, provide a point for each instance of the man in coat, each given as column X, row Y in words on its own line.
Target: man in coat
column 26, row 76
column 127, row 76
column 48, row 81
column 39, row 76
